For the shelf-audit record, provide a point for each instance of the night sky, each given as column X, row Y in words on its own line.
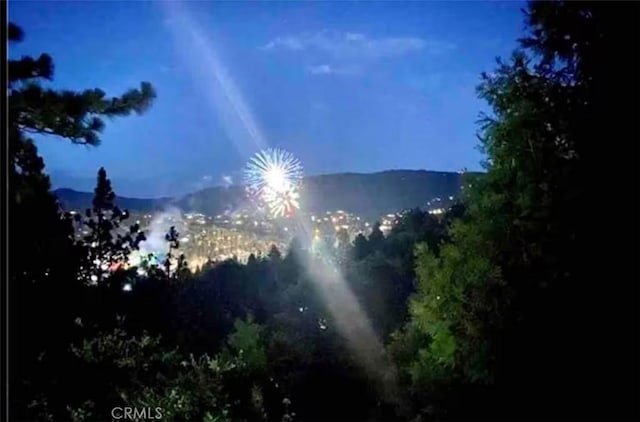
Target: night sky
column 358, row 87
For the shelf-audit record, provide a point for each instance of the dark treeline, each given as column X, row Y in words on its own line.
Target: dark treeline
column 485, row 312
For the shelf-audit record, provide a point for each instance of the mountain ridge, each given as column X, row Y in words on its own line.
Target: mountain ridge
column 367, row 194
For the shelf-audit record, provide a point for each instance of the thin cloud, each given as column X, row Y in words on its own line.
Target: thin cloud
column 352, row 45
column 289, row 43
column 325, row 69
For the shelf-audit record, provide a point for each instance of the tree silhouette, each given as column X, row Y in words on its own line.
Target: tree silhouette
column 376, row 238
column 175, row 267
column 45, row 236
column 360, row 247
column 108, row 246
column 505, row 290
column 44, row 258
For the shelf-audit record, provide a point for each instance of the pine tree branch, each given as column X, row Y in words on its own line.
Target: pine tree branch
column 28, row 68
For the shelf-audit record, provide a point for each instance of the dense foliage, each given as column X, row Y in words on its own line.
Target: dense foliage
column 481, row 313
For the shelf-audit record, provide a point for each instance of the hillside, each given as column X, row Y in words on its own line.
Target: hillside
column 73, row 200
column 369, row 195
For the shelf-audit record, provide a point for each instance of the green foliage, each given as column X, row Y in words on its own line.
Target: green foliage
column 196, row 393
column 142, row 373
column 492, row 302
column 247, row 342
column 457, row 302
column 122, row 351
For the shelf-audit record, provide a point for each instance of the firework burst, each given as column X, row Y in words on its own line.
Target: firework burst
column 282, row 204
column 274, row 176
column 273, row 169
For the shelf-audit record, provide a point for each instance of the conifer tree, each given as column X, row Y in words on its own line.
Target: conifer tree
column 360, row 247
column 108, row 245
column 175, row 267
column 42, row 238
column 44, row 258
column 503, row 319
column 376, row 238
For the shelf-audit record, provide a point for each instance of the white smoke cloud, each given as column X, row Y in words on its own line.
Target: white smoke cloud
column 160, row 224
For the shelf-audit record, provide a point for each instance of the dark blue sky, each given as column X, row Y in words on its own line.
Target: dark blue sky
column 360, row 87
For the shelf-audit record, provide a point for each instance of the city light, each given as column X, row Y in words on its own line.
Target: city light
column 248, row 232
